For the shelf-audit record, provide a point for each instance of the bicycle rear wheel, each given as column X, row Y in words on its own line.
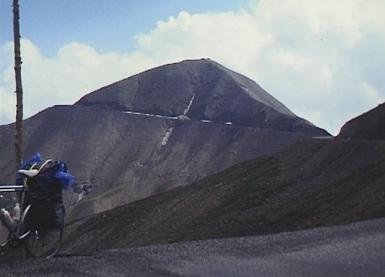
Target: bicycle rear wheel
column 40, row 242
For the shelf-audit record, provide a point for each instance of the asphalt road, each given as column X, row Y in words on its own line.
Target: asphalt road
column 351, row 250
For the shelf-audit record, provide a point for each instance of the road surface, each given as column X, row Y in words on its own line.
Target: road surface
column 350, row 250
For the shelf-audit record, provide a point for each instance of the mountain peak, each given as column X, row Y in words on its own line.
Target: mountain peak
column 202, row 90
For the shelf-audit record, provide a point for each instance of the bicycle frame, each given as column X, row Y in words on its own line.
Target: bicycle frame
column 17, row 189
column 14, row 234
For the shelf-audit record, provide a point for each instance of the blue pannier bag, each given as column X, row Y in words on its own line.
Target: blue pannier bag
column 45, row 192
column 33, row 160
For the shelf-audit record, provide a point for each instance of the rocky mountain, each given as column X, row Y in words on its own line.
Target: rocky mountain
column 200, row 90
column 163, row 128
column 370, row 125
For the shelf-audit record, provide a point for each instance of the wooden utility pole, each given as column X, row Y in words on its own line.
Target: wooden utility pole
column 19, row 87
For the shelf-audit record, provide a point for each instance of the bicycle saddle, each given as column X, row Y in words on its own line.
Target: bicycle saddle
column 28, row 172
column 33, row 171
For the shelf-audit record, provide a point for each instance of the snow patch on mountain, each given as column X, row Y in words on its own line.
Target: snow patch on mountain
column 167, row 136
column 189, row 105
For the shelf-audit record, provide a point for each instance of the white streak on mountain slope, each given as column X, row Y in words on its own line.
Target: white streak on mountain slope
column 80, row 196
column 152, row 115
column 167, row 136
column 189, row 105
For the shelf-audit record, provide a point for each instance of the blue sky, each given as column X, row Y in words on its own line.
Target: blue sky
column 106, row 25
column 324, row 59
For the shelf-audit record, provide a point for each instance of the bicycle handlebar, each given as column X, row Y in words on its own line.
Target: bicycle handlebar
column 11, row 188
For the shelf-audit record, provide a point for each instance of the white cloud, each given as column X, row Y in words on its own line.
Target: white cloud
column 320, row 58
column 303, row 52
column 77, row 69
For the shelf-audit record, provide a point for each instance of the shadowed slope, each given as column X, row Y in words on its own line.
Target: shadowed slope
column 132, row 156
column 370, row 125
column 312, row 183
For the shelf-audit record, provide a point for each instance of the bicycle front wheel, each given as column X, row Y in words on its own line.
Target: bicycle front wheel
column 40, row 242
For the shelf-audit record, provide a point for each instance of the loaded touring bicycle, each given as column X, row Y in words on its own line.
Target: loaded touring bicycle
column 38, row 217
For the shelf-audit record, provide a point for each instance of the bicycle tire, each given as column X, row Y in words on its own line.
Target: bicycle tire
column 40, row 243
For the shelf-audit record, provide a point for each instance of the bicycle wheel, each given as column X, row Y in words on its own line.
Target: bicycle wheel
column 40, row 242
